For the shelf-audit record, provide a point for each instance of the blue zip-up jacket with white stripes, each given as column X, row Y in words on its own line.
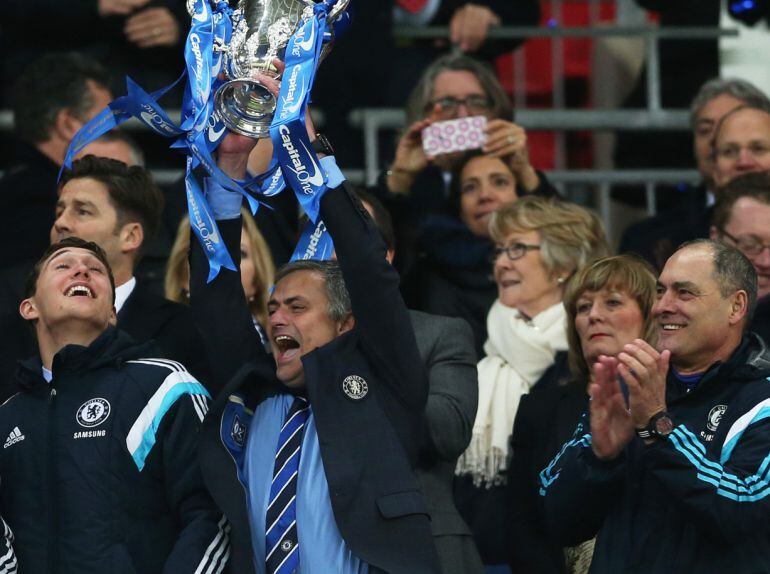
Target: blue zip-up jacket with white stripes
column 8, row 562
column 697, row 501
column 98, row 470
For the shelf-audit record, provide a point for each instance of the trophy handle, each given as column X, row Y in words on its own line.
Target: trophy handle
column 337, row 9
column 334, row 13
column 190, row 5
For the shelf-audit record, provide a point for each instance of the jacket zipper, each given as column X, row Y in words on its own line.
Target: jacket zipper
column 51, row 487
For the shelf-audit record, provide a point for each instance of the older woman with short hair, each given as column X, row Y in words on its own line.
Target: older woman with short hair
column 540, row 243
column 608, row 303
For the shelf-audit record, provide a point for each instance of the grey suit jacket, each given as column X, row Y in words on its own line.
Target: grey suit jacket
column 447, row 350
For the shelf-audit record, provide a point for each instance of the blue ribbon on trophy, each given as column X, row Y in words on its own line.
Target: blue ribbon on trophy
column 137, row 103
column 300, row 166
column 272, row 181
column 314, row 243
column 201, row 128
column 291, row 145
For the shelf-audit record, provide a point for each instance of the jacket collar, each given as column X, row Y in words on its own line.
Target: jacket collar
column 111, row 347
column 750, row 360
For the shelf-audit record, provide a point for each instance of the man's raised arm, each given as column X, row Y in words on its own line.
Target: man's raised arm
column 220, row 307
column 381, row 315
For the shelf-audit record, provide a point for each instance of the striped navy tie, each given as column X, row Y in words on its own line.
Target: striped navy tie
column 282, row 545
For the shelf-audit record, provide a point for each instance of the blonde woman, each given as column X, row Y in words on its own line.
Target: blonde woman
column 257, row 269
column 609, row 304
column 539, row 243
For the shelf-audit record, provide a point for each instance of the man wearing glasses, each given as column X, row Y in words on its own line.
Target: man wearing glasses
column 655, row 239
column 742, row 219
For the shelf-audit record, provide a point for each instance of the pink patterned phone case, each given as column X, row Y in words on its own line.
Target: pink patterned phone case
column 454, row 135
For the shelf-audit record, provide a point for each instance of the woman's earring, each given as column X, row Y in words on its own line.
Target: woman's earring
column 561, row 280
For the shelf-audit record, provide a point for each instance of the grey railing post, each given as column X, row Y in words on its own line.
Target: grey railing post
column 519, row 80
column 653, row 71
column 371, row 146
column 605, row 210
column 652, row 202
column 557, row 70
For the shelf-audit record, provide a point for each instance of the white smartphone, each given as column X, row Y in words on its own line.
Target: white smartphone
column 454, row 135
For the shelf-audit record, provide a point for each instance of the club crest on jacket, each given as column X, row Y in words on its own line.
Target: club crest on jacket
column 715, row 415
column 93, row 412
column 355, row 387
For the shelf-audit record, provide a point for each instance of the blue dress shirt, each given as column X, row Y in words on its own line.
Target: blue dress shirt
column 321, row 547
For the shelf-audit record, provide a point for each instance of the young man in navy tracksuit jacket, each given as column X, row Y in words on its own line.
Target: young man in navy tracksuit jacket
column 98, row 465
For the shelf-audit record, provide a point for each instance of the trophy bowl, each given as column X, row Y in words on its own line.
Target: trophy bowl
column 261, row 32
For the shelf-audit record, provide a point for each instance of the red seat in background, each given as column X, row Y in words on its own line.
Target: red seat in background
column 539, row 78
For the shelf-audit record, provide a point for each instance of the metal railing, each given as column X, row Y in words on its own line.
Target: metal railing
column 560, row 119
column 373, row 120
column 602, row 181
column 170, row 176
column 132, row 124
column 651, row 35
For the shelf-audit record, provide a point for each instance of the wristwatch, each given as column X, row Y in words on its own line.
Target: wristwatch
column 321, row 144
column 659, row 426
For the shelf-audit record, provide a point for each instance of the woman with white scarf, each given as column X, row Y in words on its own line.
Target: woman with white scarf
column 540, row 244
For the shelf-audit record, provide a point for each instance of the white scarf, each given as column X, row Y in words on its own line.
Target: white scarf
column 518, row 351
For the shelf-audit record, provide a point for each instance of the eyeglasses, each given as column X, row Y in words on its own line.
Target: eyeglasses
column 515, row 251
column 749, row 246
column 450, row 104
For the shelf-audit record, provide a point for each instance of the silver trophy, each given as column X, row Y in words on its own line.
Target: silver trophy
column 261, row 31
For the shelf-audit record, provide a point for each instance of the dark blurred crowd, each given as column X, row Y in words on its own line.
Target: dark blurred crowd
column 477, row 382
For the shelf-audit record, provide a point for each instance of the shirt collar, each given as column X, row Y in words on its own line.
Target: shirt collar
column 122, row 293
